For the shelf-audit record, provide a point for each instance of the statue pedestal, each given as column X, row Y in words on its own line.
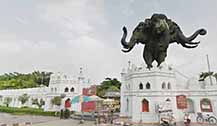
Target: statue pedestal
column 142, row 90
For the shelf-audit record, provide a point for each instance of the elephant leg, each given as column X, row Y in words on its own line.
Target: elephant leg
column 148, row 57
column 161, row 57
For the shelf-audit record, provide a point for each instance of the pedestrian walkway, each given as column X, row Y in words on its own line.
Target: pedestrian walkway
column 68, row 122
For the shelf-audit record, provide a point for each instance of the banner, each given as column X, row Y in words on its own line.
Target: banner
column 181, row 101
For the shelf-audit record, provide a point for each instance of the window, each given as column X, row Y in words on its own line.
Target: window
column 55, row 89
column 127, row 109
column 72, row 89
column 140, row 86
column 145, row 105
column 205, row 105
column 163, row 85
column 51, row 89
column 66, row 89
column 168, row 100
column 148, row 86
column 169, row 85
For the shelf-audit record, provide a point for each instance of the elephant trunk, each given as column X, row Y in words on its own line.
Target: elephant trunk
column 127, row 45
column 198, row 32
column 187, row 41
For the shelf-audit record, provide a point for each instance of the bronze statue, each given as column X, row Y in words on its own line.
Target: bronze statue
column 157, row 33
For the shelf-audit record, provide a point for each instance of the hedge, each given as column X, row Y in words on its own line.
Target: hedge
column 29, row 111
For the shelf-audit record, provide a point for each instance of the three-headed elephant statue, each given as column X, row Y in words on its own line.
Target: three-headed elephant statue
column 156, row 33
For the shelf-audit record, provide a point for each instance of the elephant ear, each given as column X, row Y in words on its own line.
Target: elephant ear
column 147, row 24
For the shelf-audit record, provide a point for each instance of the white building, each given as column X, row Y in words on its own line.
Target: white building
column 59, row 85
column 144, row 92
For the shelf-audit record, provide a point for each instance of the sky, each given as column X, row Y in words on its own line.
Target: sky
column 64, row 35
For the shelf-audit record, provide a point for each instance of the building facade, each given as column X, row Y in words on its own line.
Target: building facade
column 60, row 85
column 145, row 92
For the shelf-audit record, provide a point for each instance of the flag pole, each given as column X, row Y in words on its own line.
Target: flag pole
column 207, row 57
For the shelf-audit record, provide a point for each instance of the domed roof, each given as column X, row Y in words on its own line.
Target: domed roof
column 207, row 80
column 192, row 83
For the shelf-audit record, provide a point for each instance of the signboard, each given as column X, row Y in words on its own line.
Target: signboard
column 181, row 101
column 165, row 107
column 165, row 111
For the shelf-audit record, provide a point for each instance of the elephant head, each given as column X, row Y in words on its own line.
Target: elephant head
column 138, row 35
column 144, row 30
column 187, row 41
column 158, row 24
column 176, row 35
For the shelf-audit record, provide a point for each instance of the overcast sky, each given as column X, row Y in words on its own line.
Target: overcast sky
column 64, row 35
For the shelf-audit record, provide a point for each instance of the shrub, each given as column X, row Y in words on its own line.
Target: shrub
column 24, row 110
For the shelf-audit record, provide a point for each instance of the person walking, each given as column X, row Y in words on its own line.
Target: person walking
column 187, row 119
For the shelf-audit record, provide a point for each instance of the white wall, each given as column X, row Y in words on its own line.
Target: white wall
column 156, row 94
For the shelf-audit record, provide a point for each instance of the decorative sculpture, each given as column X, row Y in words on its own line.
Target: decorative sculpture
column 156, row 33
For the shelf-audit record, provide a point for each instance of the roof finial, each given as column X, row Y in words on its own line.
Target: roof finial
column 129, row 63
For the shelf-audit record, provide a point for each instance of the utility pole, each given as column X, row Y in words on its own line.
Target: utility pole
column 207, row 57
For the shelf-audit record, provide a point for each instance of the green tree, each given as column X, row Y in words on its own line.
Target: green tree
column 108, row 85
column 37, row 102
column 42, row 77
column 56, row 100
column 7, row 101
column 204, row 75
column 18, row 80
column 23, row 98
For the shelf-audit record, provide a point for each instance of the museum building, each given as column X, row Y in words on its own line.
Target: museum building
column 146, row 95
column 60, row 85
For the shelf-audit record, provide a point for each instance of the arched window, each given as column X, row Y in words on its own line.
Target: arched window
column 145, row 105
column 140, row 86
column 72, row 89
column 127, row 109
column 51, row 89
column 168, row 100
column 169, row 86
column 55, row 89
column 148, row 86
column 163, row 85
column 205, row 105
column 66, row 89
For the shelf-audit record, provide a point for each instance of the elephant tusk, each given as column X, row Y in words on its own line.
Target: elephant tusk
column 126, row 50
column 187, row 46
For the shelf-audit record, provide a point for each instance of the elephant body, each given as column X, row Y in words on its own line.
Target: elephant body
column 156, row 34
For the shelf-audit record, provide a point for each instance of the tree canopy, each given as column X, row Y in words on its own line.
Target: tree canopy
column 17, row 80
column 204, row 75
column 56, row 100
column 109, row 84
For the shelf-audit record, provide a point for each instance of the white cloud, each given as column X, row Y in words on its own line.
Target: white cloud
column 65, row 35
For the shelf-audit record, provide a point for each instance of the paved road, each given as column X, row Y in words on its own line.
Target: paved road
column 11, row 119
column 39, row 120
column 68, row 122
column 54, row 121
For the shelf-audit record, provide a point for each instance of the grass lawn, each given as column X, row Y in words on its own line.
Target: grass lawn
column 26, row 110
